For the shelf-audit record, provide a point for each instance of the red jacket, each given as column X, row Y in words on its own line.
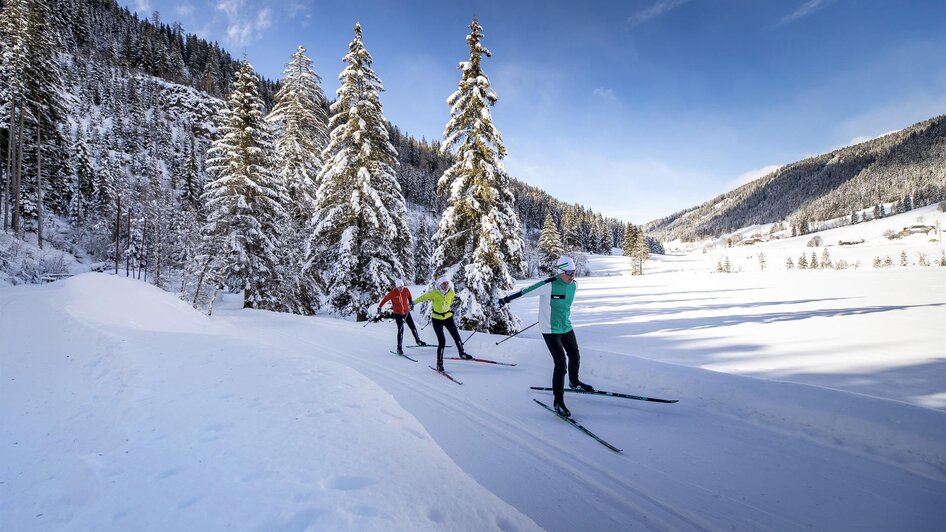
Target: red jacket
column 400, row 299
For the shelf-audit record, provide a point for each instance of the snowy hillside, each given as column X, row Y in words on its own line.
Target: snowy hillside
column 854, row 246
column 808, row 400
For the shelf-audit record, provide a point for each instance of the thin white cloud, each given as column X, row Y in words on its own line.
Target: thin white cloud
column 232, row 8
column 806, row 9
column 606, row 94
column 654, row 11
column 263, row 20
column 143, row 6
column 184, row 10
column 243, row 27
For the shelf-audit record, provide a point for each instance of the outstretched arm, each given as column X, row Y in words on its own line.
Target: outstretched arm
column 533, row 290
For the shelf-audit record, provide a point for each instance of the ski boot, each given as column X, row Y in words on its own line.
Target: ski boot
column 581, row 386
column 399, row 350
column 466, row 356
column 440, row 367
column 560, row 409
column 421, row 343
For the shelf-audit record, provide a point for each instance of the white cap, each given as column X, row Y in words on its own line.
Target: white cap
column 443, row 279
column 398, row 283
column 565, row 264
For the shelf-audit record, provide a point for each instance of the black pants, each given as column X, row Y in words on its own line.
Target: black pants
column 399, row 320
column 442, row 340
column 561, row 345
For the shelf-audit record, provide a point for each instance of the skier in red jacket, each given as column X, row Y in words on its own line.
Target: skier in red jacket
column 401, row 304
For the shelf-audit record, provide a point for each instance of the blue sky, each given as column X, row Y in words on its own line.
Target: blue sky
column 636, row 109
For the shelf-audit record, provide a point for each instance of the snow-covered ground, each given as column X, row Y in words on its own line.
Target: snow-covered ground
column 809, row 400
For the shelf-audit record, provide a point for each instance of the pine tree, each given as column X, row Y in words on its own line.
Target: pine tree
column 14, row 43
column 571, row 230
column 789, row 265
column 479, row 241
column 359, row 235
column 245, row 199
column 641, row 251
column 423, row 255
column 826, row 259
column 550, row 246
column 627, row 245
column 302, row 123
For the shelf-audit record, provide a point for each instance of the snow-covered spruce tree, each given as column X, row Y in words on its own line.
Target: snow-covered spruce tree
column 479, row 241
column 359, row 239
column 302, row 132
column 423, row 254
column 550, row 246
column 641, row 250
column 244, row 199
column 301, row 123
column 606, row 242
column 627, row 245
column 571, row 229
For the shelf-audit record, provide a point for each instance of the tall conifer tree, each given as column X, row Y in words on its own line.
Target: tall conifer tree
column 479, row 241
column 245, row 198
column 359, row 237
column 550, row 246
column 302, row 123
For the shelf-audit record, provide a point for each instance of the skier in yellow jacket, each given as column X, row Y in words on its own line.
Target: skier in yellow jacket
column 441, row 316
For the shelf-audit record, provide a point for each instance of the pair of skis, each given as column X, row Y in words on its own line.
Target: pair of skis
column 474, row 359
column 578, row 426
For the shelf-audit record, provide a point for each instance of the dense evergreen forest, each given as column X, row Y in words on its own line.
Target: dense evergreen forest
column 108, row 121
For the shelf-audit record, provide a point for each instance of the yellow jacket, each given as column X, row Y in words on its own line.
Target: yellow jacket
column 441, row 303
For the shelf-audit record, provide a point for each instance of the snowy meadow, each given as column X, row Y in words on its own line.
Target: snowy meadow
column 808, row 399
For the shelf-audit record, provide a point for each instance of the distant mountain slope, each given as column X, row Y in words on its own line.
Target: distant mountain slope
column 906, row 168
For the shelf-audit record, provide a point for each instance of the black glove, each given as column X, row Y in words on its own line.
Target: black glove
column 411, row 305
column 501, row 301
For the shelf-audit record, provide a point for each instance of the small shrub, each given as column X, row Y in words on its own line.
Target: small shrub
column 815, row 242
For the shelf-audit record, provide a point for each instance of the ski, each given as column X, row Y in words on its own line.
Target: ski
column 428, row 345
column 445, row 374
column 401, row 355
column 579, row 427
column 484, row 360
column 611, row 394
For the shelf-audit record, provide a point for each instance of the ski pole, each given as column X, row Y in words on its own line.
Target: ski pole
column 517, row 332
column 468, row 338
column 426, row 324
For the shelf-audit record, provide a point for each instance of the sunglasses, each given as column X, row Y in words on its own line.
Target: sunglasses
column 570, row 273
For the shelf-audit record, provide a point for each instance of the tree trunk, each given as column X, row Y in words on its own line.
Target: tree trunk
column 9, row 174
column 146, row 250
column 128, row 255
column 39, row 187
column 118, row 227
column 18, row 175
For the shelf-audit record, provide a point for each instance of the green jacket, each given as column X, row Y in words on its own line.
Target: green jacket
column 441, row 303
column 555, row 303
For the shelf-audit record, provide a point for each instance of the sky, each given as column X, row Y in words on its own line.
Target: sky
column 636, row 109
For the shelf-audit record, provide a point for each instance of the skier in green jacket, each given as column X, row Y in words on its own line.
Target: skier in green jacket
column 441, row 316
column 556, row 294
